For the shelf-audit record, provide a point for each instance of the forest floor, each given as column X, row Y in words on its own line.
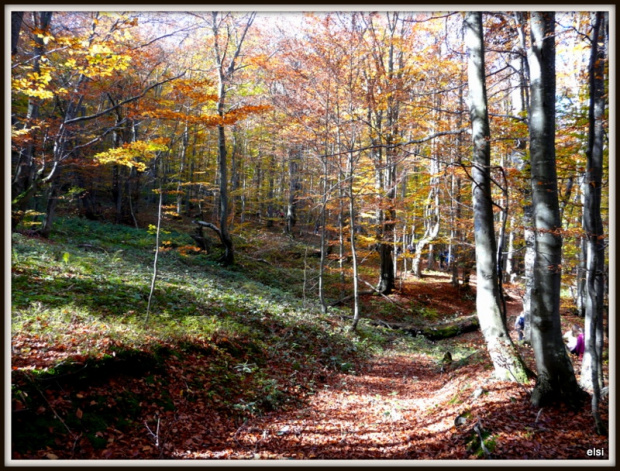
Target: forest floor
column 240, row 371
column 403, row 406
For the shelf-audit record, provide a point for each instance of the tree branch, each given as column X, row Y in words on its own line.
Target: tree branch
column 124, row 102
column 211, row 226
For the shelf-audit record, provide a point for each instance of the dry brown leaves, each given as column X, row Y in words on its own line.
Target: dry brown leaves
column 399, row 407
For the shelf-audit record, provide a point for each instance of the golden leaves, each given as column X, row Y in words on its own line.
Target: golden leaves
column 34, row 84
column 129, row 154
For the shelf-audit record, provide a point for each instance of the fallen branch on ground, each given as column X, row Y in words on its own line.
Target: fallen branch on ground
column 398, row 305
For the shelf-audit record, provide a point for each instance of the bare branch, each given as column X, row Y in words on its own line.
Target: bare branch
column 209, row 225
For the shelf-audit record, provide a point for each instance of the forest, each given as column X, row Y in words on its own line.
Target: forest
column 328, row 235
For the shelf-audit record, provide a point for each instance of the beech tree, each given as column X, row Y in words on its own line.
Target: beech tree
column 592, row 366
column 508, row 365
column 556, row 378
column 227, row 42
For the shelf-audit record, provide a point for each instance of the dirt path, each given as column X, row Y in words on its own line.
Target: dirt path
column 403, row 407
column 391, row 411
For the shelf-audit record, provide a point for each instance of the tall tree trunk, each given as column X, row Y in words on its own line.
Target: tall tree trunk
column 323, row 243
column 270, row 191
column 236, row 165
column 293, row 181
column 354, row 261
column 511, row 271
column 27, row 177
column 506, row 361
column 183, row 156
column 456, row 234
column 580, row 279
column 520, row 105
column 386, row 174
column 16, row 26
column 556, row 380
column 228, row 257
column 225, row 75
column 592, row 366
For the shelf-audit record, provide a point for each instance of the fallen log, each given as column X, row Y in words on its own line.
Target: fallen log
column 436, row 332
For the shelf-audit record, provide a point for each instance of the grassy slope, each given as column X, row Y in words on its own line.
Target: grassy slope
column 79, row 303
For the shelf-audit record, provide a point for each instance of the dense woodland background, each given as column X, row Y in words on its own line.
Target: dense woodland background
column 365, row 151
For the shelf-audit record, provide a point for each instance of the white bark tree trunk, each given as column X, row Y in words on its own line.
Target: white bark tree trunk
column 506, row 361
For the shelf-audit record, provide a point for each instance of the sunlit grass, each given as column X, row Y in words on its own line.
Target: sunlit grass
column 84, row 293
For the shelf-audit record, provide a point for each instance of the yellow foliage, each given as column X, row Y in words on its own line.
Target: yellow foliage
column 129, row 154
column 33, row 85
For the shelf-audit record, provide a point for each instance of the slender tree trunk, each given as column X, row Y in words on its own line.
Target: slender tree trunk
column 28, row 178
column 183, row 156
column 16, row 25
column 270, row 192
column 225, row 75
column 506, row 361
column 354, row 261
column 529, row 258
column 592, row 366
column 293, row 174
column 229, row 257
column 430, row 233
column 456, row 233
column 556, row 380
column 235, row 165
column 322, row 222
column 580, row 279
column 155, row 266
column 520, row 105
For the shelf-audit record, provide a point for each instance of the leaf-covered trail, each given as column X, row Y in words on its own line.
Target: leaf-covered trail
column 404, row 407
column 392, row 410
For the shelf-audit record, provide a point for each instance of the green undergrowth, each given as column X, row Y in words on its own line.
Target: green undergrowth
column 223, row 338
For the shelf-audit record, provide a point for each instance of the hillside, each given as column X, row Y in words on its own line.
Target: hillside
column 239, row 363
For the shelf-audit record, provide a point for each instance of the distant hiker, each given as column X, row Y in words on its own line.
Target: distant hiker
column 317, row 226
column 579, row 344
column 442, row 258
column 520, row 325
